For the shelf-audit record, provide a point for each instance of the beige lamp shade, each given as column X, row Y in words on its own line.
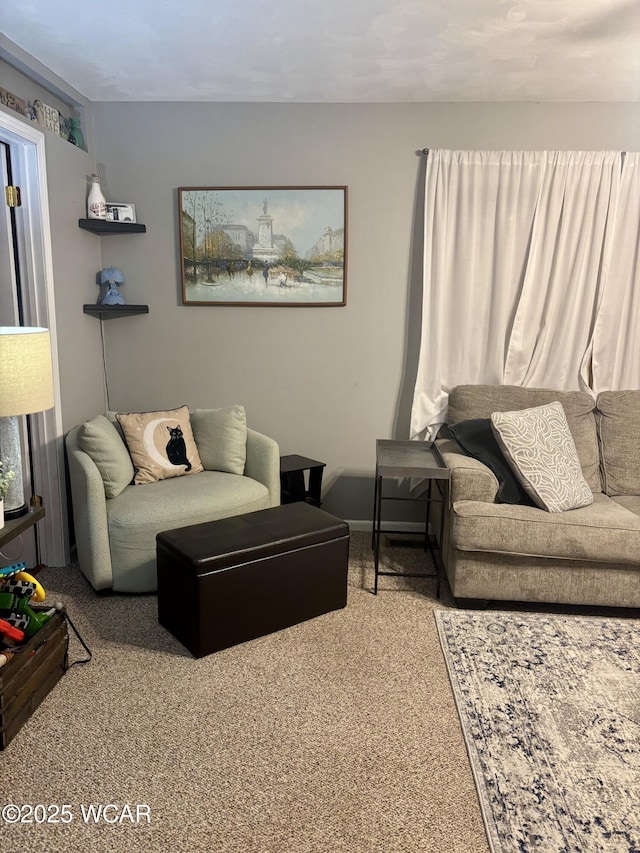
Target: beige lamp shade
column 26, row 376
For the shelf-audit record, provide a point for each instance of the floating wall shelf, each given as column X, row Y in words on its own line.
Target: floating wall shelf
column 108, row 311
column 103, row 227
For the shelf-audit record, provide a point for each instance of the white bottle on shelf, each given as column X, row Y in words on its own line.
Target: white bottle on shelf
column 96, row 202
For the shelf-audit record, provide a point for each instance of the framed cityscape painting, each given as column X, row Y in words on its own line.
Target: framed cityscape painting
column 266, row 246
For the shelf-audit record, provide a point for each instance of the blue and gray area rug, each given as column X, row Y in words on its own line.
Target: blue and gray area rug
column 550, row 710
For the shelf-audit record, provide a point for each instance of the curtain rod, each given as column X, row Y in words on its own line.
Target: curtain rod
column 426, row 151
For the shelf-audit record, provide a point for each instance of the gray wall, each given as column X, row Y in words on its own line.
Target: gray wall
column 76, row 259
column 325, row 382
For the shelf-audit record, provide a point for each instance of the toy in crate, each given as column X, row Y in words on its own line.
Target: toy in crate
column 33, row 648
column 16, row 592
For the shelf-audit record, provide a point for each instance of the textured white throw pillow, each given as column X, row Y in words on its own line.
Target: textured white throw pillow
column 539, row 446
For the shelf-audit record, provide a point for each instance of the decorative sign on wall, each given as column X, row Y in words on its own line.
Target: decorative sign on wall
column 264, row 246
column 47, row 116
column 13, row 102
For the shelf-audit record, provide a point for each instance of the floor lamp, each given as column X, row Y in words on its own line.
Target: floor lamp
column 26, row 387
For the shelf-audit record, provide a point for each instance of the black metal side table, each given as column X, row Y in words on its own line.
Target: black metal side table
column 399, row 460
column 292, row 479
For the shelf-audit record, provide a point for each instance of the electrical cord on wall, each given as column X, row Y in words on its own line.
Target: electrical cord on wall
column 104, row 367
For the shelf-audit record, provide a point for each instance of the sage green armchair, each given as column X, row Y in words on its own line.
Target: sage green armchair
column 116, row 522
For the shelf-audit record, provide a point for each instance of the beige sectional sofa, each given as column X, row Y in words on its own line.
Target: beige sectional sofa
column 518, row 552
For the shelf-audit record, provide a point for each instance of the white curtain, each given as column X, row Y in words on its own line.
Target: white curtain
column 512, row 257
column 615, row 351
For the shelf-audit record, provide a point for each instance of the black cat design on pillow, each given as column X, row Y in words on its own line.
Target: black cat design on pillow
column 177, row 449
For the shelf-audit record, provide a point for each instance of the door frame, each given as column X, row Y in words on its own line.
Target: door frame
column 28, row 157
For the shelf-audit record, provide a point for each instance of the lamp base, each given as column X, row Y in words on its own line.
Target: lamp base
column 11, row 455
column 16, row 512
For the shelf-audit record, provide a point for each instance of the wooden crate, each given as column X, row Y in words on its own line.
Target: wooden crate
column 29, row 676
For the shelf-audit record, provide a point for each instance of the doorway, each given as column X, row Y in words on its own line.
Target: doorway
column 31, row 303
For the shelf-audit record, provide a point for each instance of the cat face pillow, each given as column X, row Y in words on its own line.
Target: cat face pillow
column 160, row 444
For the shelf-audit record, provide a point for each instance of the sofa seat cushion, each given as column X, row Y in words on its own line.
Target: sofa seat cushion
column 604, row 532
column 629, row 502
column 618, row 419
column 174, row 502
column 481, row 401
column 136, row 516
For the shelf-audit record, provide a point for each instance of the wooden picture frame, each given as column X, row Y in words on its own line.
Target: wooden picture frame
column 263, row 246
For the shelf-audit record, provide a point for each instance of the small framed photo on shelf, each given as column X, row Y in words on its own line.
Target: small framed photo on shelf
column 118, row 211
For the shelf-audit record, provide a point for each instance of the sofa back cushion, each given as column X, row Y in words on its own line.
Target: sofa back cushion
column 618, row 415
column 221, row 436
column 481, row 401
column 102, row 441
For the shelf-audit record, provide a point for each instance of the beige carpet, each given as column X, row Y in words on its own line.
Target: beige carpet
column 339, row 734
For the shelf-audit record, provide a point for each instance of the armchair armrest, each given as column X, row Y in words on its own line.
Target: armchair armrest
column 263, row 463
column 471, row 480
column 89, row 515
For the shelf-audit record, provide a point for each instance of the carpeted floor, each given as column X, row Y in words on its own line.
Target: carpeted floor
column 339, row 734
column 550, row 706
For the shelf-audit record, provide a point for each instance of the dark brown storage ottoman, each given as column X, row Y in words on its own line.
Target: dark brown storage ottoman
column 232, row 580
column 29, row 676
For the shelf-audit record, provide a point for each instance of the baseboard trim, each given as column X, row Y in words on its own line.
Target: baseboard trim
column 366, row 526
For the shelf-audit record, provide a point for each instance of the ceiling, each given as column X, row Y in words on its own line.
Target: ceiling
column 342, row 51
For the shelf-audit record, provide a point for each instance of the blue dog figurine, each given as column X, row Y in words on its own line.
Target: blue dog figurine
column 113, row 278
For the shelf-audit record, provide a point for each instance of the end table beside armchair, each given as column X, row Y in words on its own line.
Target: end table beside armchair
column 401, row 460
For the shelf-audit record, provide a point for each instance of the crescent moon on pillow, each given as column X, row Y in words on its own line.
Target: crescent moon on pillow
column 149, row 444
